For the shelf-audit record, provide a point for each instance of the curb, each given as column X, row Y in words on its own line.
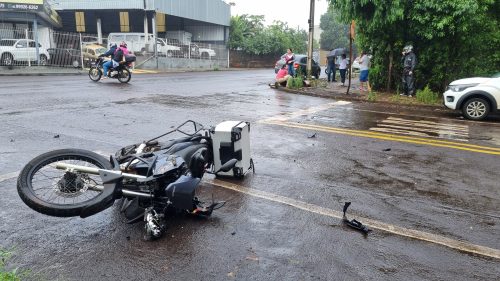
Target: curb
column 352, row 97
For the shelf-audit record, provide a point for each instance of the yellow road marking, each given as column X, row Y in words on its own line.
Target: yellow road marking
column 374, row 224
column 142, row 71
column 391, row 137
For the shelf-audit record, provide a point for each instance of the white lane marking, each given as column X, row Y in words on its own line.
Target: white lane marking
column 302, row 112
column 427, row 124
column 374, row 224
column 423, row 128
column 9, row 176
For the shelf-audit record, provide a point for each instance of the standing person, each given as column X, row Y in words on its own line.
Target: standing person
column 364, row 62
column 330, row 68
column 289, row 60
column 409, row 61
column 343, row 68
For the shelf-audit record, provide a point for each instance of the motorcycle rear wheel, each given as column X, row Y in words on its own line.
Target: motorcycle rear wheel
column 124, row 75
column 95, row 73
column 60, row 193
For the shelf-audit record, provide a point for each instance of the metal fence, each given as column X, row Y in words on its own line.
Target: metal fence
column 23, row 47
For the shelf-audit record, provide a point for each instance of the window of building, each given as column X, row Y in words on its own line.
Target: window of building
column 124, row 23
column 160, row 22
column 80, row 21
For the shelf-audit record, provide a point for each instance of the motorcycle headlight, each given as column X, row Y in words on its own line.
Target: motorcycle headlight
column 460, row 88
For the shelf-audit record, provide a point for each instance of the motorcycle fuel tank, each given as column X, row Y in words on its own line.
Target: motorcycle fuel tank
column 231, row 139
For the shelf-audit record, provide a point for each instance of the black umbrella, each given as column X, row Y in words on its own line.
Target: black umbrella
column 336, row 52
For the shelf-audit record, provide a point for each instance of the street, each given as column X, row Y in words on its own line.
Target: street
column 423, row 179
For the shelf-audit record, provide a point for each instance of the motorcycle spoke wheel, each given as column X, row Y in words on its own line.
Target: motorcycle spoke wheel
column 124, row 75
column 95, row 74
column 57, row 192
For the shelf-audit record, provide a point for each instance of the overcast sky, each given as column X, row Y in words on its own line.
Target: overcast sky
column 294, row 12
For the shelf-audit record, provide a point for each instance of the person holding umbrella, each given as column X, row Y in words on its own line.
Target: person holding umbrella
column 330, row 62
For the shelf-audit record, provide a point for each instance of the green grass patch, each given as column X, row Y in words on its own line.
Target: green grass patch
column 12, row 275
column 372, row 96
column 427, row 96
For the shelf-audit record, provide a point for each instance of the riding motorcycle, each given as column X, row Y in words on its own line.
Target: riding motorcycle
column 121, row 72
column 154, row 178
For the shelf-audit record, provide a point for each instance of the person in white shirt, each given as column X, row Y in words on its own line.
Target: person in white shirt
column 364, row 62
column 343, row 69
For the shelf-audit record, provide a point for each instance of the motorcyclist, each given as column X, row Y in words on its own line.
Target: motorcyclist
column 117, row 57
column 409, row 61
column 110, row 52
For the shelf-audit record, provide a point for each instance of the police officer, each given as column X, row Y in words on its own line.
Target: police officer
column 409, row 61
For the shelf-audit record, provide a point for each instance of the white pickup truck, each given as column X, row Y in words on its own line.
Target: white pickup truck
column 24, row 50
column 165, row 49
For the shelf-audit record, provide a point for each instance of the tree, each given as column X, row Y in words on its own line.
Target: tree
column 248, row 34
column 452, row 38
column 335, row 33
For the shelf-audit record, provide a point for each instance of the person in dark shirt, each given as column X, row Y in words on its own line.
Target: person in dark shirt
column 409, row 61
column 331, row 68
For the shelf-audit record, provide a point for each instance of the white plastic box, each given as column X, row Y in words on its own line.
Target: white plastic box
column 231, row 139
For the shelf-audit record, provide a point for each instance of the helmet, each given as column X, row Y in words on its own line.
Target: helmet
column 408, row 48
column 123, row 44
column 112, row 45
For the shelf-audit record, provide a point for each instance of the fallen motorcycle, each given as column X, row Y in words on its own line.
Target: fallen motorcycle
column 154, row 178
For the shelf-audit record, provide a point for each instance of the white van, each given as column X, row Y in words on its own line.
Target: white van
column 138, row 43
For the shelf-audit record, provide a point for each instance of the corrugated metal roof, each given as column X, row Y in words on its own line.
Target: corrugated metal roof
column 99, row 4
column 211, row 11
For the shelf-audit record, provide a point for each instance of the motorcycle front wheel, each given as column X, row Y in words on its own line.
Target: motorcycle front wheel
column 56, row 192
column 124, row 75
column 95, row 73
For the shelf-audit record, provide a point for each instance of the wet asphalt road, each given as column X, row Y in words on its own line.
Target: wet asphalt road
column 447, row 187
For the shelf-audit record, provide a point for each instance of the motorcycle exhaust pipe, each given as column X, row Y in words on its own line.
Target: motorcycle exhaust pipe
column 95, row 171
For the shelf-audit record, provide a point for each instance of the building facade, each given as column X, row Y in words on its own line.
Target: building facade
column 206, row 20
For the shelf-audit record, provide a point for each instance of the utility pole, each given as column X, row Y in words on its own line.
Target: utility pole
column 311, row 39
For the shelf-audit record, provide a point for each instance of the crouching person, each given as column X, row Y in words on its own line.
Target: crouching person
column 282, row 76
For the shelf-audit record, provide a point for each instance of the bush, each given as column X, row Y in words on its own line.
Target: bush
column 295, row 82
column 427, row 96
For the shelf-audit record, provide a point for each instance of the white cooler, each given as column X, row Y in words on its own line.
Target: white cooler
column 231, row 139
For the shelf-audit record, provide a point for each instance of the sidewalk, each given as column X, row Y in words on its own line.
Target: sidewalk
column 40, row 71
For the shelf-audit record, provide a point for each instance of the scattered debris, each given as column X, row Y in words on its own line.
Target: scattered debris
column 387, row 149
column 56, row 136
column 312, row 136
column 354, row 223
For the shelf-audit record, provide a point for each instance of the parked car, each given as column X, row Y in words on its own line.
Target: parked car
column 91, row 53
column 476, row 97
column 64, row 57
column 300, row 63
column 187, row 50
column 206, row 53
column 21, row 50
column 165, row 49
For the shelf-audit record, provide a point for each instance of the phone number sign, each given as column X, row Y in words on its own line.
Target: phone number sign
column 20, row 6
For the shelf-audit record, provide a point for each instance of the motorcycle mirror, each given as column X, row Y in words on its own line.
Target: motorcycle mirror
column 228, row 165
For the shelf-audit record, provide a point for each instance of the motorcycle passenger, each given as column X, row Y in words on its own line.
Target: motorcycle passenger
column 110, row 52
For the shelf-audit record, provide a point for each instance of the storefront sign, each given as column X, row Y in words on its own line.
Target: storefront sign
column 23, row 5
